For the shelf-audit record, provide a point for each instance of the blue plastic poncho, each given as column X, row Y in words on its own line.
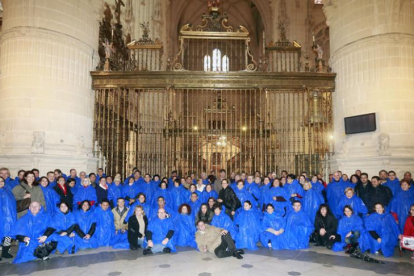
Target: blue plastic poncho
column 248, row 223
column 298, row 230
column 254, row 190
column 334, row 192
column 159, row 228
column 105, row 226
column 311, row 202
column 223, row 221
column 394, row 185
column 82, row 193
column 186, row 231
column 146, row 207
column 166, row 194
column 386, row 227
column 51, row 198
column 8, row 213
column 177, row 196
column 276, row 222
column 346, row 225
column 130, row 191
column 115, row 192
column 206, row 195
column 294, row 188
column 32, row 226
column 355, row 202
column 195, row 207
column 244, row 195
column 400, row 204
column 275, row 192
column 85, row 221
column 147, row 189
column 62, row 222
column 318, row 187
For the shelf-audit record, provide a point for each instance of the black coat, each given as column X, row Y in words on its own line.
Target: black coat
column 381, row 194
column 329, row 223
column 68, row 198
column 230, row 200
column 133, row 230
column 363, row 193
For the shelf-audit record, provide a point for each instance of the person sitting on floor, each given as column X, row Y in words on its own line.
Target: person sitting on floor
column 159, row 234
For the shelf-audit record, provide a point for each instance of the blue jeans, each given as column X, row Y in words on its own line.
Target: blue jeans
column 140, row 242
column 157, row 248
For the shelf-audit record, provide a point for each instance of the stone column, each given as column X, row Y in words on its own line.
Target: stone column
column 48, row 49
column 372, row 51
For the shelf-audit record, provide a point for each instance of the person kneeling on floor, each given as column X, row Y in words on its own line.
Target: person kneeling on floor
column 217, row 240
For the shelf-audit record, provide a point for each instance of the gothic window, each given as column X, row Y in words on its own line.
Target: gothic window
column 225, row 63
column 216, row 60
column 207, row 63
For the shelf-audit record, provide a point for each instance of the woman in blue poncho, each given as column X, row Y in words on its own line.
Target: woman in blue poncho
column 208, row 192
column 298, row 228
column 243, row 195
column 130, row 191
column 317, row 185
column 186, row 228
column 105, row 224
column 350, row 228
column 401, row 202
column 248, row 223
column 273, row 226
column 64, row 223
column 8, row 216
column 85, row 233
column 279, row 197
column 222, row 220
column 51, row 197
column 84, row 192
column 351, row 199
column 311, row 200
column 293, row 187
column 177, row 193
column 115, row 191
column 141, row 201
column 382, row 231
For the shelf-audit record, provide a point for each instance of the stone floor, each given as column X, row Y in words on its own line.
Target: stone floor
column 313, row 261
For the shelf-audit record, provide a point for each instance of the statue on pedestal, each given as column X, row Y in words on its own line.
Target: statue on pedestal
column 108, row 52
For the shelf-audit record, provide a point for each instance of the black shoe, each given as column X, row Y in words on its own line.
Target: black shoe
column 5, row 253
column 240, row 251
column 139, row 246
column 316, row 244
column 166, row 250
column 132, row 247
column 147, row 251
column 329, row 247
column 237, row 255
column 72, row 251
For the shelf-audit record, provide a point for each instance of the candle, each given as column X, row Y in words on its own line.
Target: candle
column 313, row 37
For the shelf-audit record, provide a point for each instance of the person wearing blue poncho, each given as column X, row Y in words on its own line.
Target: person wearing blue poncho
column 177, row 193
column 264, row 190
column 273, row 227
column 115, row 191
column 382, row 231
column 145, row 187
column 186, row 228
column 100, row 174
column 9, row 182
column 298, row 228
column 351, row 199
column 311, row 201
column 159, row 235
column 17, row 180
column 208, row 192
column 194, row 204
column 85, row 192
column 279, row 197
column 85, row 234
column 392, row 182
column 51, row 197
column 317, row 185
column 293, row 187
column 351, row 229
column 32, row 231
column 243, row 195
column 170, row 212
column 334, row 192
column 8, row 216
column 105, row 224
column 249, row 227
column 222, row 220
column 166, row 194
column 64, row 223
column 130, row 191
column 252, row 186
column 187, row 193
column 401, row 202
column 142, row 201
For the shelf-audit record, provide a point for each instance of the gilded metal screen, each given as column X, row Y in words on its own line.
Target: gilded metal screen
column 160, row 130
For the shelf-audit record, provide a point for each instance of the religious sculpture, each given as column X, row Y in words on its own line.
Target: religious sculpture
column 319, row 51
column 383, row 143
column 38, row 144
column 108, row 52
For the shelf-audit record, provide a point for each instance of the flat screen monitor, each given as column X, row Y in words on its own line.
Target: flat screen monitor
column 360, row 123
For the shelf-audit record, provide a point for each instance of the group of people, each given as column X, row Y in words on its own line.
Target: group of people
column 222, row 215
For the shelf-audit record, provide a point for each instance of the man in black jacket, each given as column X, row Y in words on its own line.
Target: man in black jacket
column 364, row 188
column 228, row 198
column 378, row 194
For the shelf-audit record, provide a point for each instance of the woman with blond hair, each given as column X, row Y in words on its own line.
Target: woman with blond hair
column 137, row 227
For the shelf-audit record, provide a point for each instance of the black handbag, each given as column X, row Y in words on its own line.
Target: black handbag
column 23, row 205
column 45, row 249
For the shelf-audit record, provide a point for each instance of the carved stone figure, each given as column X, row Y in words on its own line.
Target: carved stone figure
column 38, row 144
column 319, row 51
column 383, row 143
column 108, row 48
